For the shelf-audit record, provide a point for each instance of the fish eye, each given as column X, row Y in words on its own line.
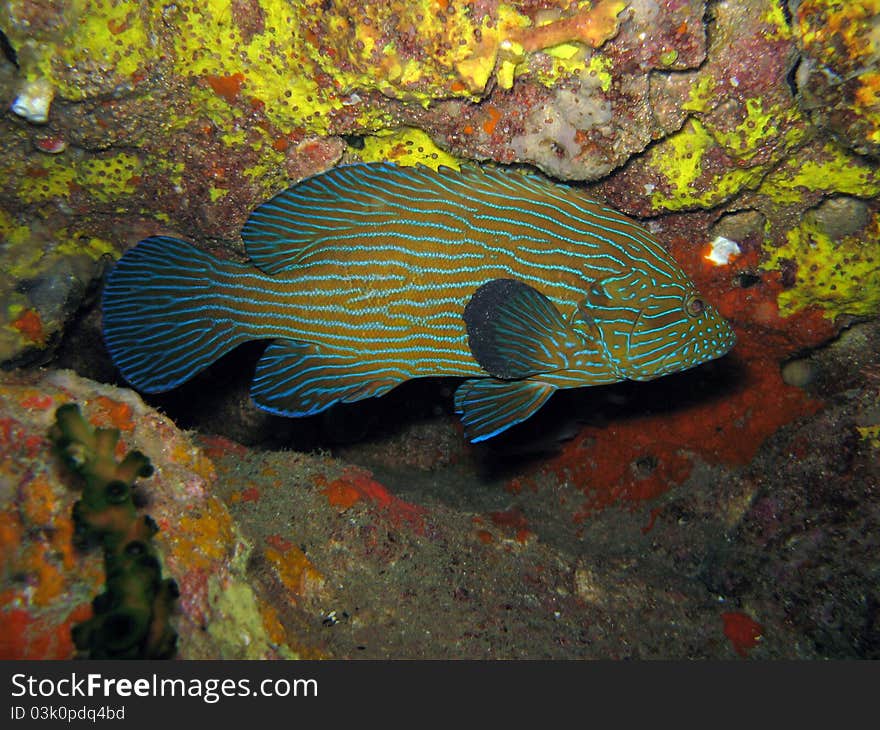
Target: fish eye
column 694, row 306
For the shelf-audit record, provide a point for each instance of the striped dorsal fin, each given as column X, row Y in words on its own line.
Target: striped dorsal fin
column 514, row 331
column 488, row 406
column 349, row 204
column 295, row 379
column 342, row 205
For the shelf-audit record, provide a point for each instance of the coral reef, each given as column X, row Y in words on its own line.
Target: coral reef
column 744, row 134
column 838, row 79
column 48, row 585
column 132, row 615
column 127, row 120
column 452, row 566
column 284, row 553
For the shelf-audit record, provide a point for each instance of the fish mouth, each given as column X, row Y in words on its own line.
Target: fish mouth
column 727, row 342
column 673, row 362
column 684, row 355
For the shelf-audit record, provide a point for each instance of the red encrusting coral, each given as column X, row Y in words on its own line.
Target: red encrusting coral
column 742, row 630
column 357, row 484
column 216, row 447
column 110, row 413
column 228, row 87
column 639, row 458
column 494, row 116
column 38, row 401
column 30, row 325
column 512, row 519
column 14, row 435
column 27, row 637
column 652, row 519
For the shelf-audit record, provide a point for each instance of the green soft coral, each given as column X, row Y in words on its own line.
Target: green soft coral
column 131, row 617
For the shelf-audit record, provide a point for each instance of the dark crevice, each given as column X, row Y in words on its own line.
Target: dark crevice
column 791, row 77
column 786, row 12
column 8, row 50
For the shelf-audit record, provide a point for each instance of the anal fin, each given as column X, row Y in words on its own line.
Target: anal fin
column 488, row 406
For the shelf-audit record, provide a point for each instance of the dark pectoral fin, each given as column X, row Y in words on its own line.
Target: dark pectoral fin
column 294, row 379
column 514, row 331
column 489, row 406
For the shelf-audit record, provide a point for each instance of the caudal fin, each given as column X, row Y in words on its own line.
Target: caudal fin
column 164, row 316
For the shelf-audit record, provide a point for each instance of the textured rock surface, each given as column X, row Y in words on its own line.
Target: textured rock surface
column 838, row 80
column 48, row 585
column 416, row 546
column 128, row 119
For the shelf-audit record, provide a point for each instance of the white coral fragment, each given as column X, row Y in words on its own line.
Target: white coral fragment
column 33, row 100
column 722, row 251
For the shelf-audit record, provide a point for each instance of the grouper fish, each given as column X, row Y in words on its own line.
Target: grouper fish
column 368, row 275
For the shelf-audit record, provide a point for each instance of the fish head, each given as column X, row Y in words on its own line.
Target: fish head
column 650, row 328
column 674, row 334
